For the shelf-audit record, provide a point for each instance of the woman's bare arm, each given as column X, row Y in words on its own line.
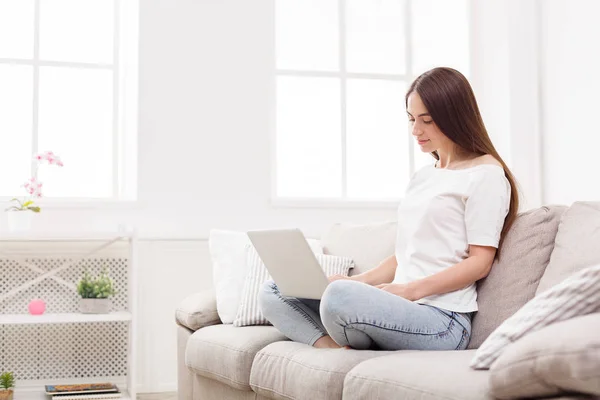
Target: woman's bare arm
column 458, row 276
column 383, row 273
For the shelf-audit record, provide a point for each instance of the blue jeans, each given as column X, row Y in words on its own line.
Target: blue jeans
column 364, row 317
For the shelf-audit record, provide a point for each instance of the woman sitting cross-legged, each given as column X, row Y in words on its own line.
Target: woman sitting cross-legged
column 451, row 223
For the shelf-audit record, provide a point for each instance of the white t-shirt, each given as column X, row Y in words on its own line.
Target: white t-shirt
column 444, row 211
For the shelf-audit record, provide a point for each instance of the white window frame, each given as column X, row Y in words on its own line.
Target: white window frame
column 125, row 106
column 344, row 75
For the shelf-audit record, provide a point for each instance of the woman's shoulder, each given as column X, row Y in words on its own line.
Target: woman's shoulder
column 487, row 173
column 483, row 166
column 486, row 159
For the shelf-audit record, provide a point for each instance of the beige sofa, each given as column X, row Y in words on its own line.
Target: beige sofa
column 219, row 361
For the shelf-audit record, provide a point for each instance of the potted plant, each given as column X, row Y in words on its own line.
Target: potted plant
column 20, row 212
column 7, row 383
column 95, row 293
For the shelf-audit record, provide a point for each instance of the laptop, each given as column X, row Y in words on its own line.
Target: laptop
column 291, row 262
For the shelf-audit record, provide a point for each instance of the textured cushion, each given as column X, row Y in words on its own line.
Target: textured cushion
column 248, row 312
column 367, row 245
column 225, row 353
column 561, row 357
column 515, row 276
column 577, row 243
column 228, row 256
column 417, row 375
column 297, row 371
column 577, row 295
column 198, row 310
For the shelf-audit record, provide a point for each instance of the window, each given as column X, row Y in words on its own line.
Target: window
column 68, row 71
column 342, row 69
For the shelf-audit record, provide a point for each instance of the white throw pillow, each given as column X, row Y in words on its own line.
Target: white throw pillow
column 249, row 313
column 577, row 295
column 228, row 255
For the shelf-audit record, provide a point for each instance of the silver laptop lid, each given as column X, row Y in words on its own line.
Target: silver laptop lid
column 290, row 262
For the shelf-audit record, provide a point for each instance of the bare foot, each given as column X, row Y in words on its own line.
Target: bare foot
column 347, row 348
column 326, row 342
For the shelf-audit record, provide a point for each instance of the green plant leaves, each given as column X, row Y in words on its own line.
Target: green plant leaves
column 98, row 288
column 27, row 205
column 7, row 380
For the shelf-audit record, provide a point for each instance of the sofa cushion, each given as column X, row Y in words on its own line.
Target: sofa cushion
column 421, row 375
column 515, row 276
column 367, row 244
column 198, row 310
column 558, row 358
column 576, row 245
column 292, row 370
column 225, row 353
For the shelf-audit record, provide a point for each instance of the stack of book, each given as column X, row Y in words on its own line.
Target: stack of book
column 100, row 391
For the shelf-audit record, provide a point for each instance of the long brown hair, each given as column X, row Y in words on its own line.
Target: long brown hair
column 450, row 101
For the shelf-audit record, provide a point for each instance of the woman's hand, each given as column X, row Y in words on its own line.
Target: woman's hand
column 337, row 277
column 399, row 289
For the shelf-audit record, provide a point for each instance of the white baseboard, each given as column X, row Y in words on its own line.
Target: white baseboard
column 160, row 388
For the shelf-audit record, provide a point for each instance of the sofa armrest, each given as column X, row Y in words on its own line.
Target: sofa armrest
column 198, row 310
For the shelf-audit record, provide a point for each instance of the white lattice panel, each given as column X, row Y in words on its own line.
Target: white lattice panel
column 58, row 298
column 64, row 351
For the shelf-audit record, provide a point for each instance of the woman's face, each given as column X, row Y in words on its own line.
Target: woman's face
column 429, row 137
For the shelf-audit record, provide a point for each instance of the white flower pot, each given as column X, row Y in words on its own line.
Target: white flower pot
column 95, row 306
column 19, row 221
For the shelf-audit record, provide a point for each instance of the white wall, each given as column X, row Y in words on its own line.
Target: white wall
column 169, row 270
column 570, row 95
column 505, row 64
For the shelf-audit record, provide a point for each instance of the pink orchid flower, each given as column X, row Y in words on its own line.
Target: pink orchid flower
column 49, row 157
column 33, row 187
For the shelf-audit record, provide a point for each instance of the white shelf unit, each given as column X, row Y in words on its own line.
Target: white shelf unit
column 52, row 348
column 63, row 318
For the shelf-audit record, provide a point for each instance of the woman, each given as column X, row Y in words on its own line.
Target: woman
column 451, row 222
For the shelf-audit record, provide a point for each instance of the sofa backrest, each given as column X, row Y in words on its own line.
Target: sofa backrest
column 514, row 277
column 577, row 244
column 367, row 244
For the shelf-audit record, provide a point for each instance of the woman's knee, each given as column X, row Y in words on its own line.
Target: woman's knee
column 337, row 298
column 268, row 296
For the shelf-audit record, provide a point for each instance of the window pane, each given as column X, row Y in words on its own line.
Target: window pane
column 307, row 34
column 440, row 35
column 75, row 121
column 16, row 28
column 377, row 147
column 375, row 36
column 77, row 30
column 16, row 102
column 309, row 159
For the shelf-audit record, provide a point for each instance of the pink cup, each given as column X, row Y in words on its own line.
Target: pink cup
column 37, row 307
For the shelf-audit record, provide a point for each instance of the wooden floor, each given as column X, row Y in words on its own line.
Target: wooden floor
column 158, row 396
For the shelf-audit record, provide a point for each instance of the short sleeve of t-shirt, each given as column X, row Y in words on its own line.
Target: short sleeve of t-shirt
column 486, row 207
